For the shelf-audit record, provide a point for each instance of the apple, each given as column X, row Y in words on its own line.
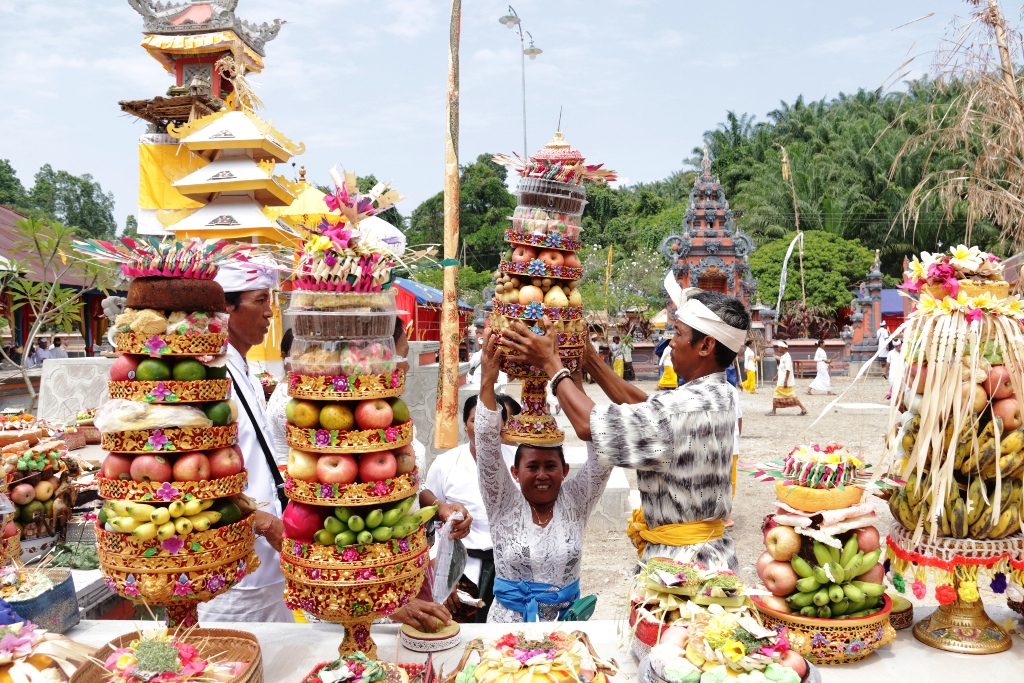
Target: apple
column 874, row 575
column 763, row 561
column 675, row 635
column 11, row 529
column 301, row 465
column 377, row 466
column 124, row 367
column 975, row 395
column 23, row 494
column 44, row 491
column 783, row 543
column 405, row 457
column 523, row 254
column 918, row 369
column 289, row 410
column 226, row 462
column 795, row 661
column 301, row 521
column 374, row 414
column 551, row 257
column 151, row 468
column 776, row 603
column 400, row 410
column 780, row 578
column 998, row 383
column 531, row 293
column 194, row 466
column 117, row 466
column 868, row 539
column 1009, row 410
column 336, row 469
column 571, row 260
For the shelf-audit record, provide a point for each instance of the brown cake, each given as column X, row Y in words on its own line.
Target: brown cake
column 169, row 294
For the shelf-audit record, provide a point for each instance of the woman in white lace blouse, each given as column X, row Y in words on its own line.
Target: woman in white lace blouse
column 537, row 527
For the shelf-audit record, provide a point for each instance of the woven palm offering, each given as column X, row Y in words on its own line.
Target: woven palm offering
column 176, row 528
column 354, row 550
column 955, row 435
column 539, row 274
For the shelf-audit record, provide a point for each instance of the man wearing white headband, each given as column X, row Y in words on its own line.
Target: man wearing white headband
column 260, row 596
column 680, row 441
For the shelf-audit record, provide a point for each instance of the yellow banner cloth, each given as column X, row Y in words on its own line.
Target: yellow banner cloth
column 161, row 165
column 690, row 533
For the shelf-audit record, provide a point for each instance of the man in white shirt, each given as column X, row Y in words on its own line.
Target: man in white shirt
column 260, row 596
column 58, row 350
column 785, row 395
column 749, row 382
column 43, row 352
column 882, row 333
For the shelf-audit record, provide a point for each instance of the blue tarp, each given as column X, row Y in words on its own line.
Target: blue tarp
column 425, row 294
column 892, row 302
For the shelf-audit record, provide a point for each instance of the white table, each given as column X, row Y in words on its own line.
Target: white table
column 290, row 651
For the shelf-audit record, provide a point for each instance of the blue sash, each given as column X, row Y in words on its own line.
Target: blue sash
column 523, row 596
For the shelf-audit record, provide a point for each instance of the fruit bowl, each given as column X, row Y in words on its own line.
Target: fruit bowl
column 170, row 440
column 357, row 556
column 835, row 641
column 372, row 493
column 538, row 268
column 144, row 491
column 172, row 344
column 171, row 391
column 352, row 441
column 311, row 571
column 537, row 312
column 345, row 387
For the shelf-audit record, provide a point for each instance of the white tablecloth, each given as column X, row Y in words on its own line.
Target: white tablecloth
column 290, row 651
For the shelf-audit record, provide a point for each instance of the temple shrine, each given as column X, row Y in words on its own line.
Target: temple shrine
column 712, row 253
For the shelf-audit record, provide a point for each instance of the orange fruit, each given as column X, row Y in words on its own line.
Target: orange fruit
column 337, row 416
column 306, row 415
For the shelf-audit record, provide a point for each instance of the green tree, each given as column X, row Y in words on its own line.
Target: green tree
column 12, row 192
column 471, row 282
column 392, row 216
column 832, row 268
column 78, row 201
column 131, row 227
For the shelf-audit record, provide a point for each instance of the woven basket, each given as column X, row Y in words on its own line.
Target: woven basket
column 172, row 344
column 346, row 387
column 55, row 610
column 985, row 552
column 166, row 492
column 224, row 645
column 171, row 391
column 374, row 493
column 181, row 440
column 353, row 441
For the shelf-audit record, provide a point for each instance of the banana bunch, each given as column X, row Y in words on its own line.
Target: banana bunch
column 964, row 513
column 146, row 522
column 355, row 526
column 830, row 589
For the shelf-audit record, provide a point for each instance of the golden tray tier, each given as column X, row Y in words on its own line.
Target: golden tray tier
column 349, row 495
column 353, row 441
column 166, row 492
column 355, row 556
column 346, row 387
column 172, row 344
column 170, row 440
column 171, row 391
column 538, row 268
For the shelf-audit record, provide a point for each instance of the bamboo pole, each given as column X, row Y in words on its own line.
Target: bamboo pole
column 446, row 421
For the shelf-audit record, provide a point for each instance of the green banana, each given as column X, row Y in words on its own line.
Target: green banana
column 427, row 513
column 821, row 553
column 808, row 585
column 800, row 599
column 872, row 602
column 391, row 517
column 849, row 550
column 871, row 590
column 855, row 606
column 821, row 597
column 870, row 560
column 824, row 612
column 840, row 608
column 374, row 519
column 809, row 611
column 834, row 552
column 800, row 566
column 820, row 576
column 835, row 573
column 836, row 594
column 852, row 592
column 854, row 567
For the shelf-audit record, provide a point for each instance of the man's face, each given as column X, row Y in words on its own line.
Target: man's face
column 43, row 343
column 250, row 319
column 685, row 356
column 56, row 342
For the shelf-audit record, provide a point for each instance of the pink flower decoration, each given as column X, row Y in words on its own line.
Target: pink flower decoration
column 173, row 545
column 381, row 489
column 973, row 315
column 391, row 434
column 289, row 484
column 350, row 554
column 215, row 583
column 920, row 590
column 166, row 492
column 297, row 549
column 155, row 344
column 182, row 587
column 340, row 383
column 240, row 574
column 161, row 391
column 111, row 584
column 157, row 439
column 131, row 588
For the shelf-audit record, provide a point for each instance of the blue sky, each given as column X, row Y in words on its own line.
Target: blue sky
column 362, row 82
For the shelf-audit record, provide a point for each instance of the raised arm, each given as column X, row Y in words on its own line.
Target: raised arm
column 496, row 485
column 585, row 487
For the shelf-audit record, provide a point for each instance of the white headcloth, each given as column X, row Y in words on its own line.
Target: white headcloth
column 691, row 312
column 246, row 276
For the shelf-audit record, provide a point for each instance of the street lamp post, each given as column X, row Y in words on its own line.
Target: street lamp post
column 512, row 21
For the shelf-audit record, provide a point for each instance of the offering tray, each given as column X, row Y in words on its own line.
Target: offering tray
column 549, row 240
column 958, row 625
column 172, row 344
column 346, row 387
column 339, row 495
column 166, row 492
column 171, row 391
column 170, row 440
column 352, row 441
column 537, row 268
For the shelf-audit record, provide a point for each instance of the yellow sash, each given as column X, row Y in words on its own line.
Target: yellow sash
column 691, row 533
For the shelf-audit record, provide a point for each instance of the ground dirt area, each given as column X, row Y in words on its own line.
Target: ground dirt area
column 857, row 421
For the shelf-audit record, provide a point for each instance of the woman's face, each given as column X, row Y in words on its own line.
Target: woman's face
column 471, row 431
column 540, row 474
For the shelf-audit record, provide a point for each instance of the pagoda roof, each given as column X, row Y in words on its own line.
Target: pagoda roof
column 236, row 129
column 230, row 217
column 194, row 17
column 163, row 111
column 237, row 174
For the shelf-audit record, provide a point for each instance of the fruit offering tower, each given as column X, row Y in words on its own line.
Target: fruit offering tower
column 538, row 275
column 354, row 549
column 175, row 528
column 956, row 437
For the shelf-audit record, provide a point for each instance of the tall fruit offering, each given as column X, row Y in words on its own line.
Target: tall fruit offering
column 957, row 439
column 540, row 271
column 354, row 551
column 175, row 528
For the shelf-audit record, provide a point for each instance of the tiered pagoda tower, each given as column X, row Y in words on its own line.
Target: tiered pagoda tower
column 711, row 253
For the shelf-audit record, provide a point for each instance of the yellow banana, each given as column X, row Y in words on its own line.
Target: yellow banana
column 165, row 531
column 125, row 525
column 962, row 449
column 1007, row 463
column 908, row 442
column 183, row 526
column 947, row 529
column 193, row 507
column 905, row 515
column 1014, row 441
column 958, row 519
column 975, row 503
column 145, row 532
column 913, row 492
column 177, row 509
column 986, row 457
column 1009, row 523
column 140, row 511
column 160, row 516
column 199, row 522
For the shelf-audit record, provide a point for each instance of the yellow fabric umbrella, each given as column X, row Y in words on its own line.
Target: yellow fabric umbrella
column 307, row 210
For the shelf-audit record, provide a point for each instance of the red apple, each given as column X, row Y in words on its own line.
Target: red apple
column 868, row 539
column 998, row 383
column 795, row 661
column 874, row 575
column 780, row 578
column 405, row 456
column 123, row 369
column 117, row 466
column 374, row 414
column 336, row 469
column 675, row 635
column 783, row 543
column 523, row 254
column 918, row 369
column 377, row 466
column 763, row 561
column 776, row 603
column 194, row 466
column 151, row 468
column 1009, row 410
column 571, row 260
column 301, row 465
column 10, row 529
column 226, row 462
column 23, row 494
column 551, row 257
column 302, row 521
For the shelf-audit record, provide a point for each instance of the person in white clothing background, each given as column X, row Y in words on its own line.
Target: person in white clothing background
column 822, row 380
column 882, row 333
column 259, row 597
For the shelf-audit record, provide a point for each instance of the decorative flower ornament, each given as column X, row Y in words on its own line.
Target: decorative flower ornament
column 998, row 585
column 920, row 589
column 968, row 591
column 945, row 594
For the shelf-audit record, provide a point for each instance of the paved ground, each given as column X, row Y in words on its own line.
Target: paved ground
column 858, row 421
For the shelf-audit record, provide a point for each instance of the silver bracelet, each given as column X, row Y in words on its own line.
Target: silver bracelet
column 558, row 377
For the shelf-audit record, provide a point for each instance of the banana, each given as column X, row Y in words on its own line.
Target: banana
column 870, row 589
column 211, row 515
column 975, row 503
column 852, row 568
column 821, row 553
column 145, row 532
column 836, row 594
column 165, row 531
column 800, row 566
column 840, row 608
column 821, row 597
column 908, row 442
column 904, row 515
column 177, row 509
column 849, row 550
column 913, row 490
column 853, row 593
column 983, row 527
column 140, row 511
column 160, row 516
column 1007, row 463
column 1009, row 523
column 800, row 599
column 125, row 525
column 1014, row 441
column 183, row 526
column 824, row 612
column 835, row 572
column 809, row 611
column 193, row 507
column 808, row 585
column 820, row 576
column 962, row 450
column 944, row 523
column 199, row 522
column 958, row 519
column 834, row 552
column 120, row 507
column 207, row 503
column 986, row 457
column 870, row 560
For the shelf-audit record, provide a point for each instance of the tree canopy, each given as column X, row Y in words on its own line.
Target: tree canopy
column 77, row 201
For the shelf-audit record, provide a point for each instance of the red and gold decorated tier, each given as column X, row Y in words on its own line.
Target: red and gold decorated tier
column 176, row 528
column 539, row 274
column 354, row 550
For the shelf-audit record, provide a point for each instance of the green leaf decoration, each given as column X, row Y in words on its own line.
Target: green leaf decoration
column 149, row 552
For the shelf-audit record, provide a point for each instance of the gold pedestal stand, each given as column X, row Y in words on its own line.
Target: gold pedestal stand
column 964, row 628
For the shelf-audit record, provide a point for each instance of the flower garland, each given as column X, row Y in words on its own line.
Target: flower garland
column 946, row 270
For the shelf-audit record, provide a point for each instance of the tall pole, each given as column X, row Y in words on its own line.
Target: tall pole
column 787, row 174
column 522, row 58
column 446, row 421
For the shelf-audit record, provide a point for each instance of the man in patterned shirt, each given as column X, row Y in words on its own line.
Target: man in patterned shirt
column 680, row 442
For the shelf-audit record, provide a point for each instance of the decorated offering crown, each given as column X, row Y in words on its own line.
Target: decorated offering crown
column 817, row 467
column 948, row 269
column 151, row 257
column 559, row 162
